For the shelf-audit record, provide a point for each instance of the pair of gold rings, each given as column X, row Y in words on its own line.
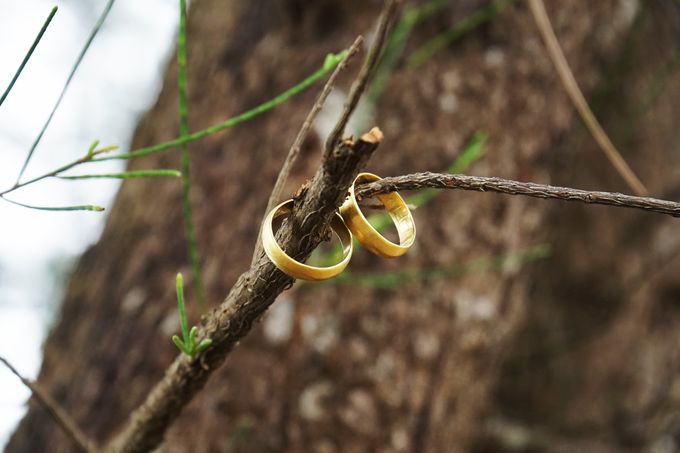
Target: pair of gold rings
column 348, row 220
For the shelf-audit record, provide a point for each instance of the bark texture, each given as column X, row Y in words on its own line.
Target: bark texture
column 576, row 351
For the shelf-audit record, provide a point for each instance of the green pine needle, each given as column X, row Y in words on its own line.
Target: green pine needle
column 192, row 335
column 179, row 287
column 390, row 280
column 410, row 17
column 84, row 207
column 459, row 29
column 334, row 59
column 29, row 53
column 106, row 149
column 236, row 120
column 203, row 345
column 180, row 345
column 471, row 154
column 74, row 68
column 93, row 151
column 187, row 209
column 92, row 148
column 128, row 175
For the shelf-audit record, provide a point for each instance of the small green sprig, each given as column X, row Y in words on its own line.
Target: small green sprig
column 188, row 345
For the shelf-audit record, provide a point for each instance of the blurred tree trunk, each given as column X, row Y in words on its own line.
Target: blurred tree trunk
column 570, row 351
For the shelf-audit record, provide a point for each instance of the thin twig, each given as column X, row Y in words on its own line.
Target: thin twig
column 387, row 17
column 301, row 136
column 509, row 187
column 579, row 101
column 55, row 410
column 56, row 172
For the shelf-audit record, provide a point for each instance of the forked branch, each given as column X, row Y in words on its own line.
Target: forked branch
column 257, row 288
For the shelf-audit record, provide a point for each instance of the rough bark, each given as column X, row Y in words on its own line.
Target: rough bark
column 427, row 365
column 595, row 366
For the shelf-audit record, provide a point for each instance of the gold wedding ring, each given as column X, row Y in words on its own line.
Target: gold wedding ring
column 292, row 267
column 369, row 236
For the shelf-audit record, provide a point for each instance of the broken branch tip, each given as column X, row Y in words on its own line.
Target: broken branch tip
column 373, row 136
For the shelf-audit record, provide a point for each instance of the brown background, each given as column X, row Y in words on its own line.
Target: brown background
column 578, row 351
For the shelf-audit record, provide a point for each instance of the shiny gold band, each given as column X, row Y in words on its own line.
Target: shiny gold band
column 369, row 236
column 294, row 268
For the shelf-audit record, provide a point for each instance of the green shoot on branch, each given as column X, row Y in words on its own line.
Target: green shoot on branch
column 188, row 344
column 93, row 151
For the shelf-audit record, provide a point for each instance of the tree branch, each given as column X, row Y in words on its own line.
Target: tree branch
column 509, row 187
column 256, row 289
column 55, row 410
